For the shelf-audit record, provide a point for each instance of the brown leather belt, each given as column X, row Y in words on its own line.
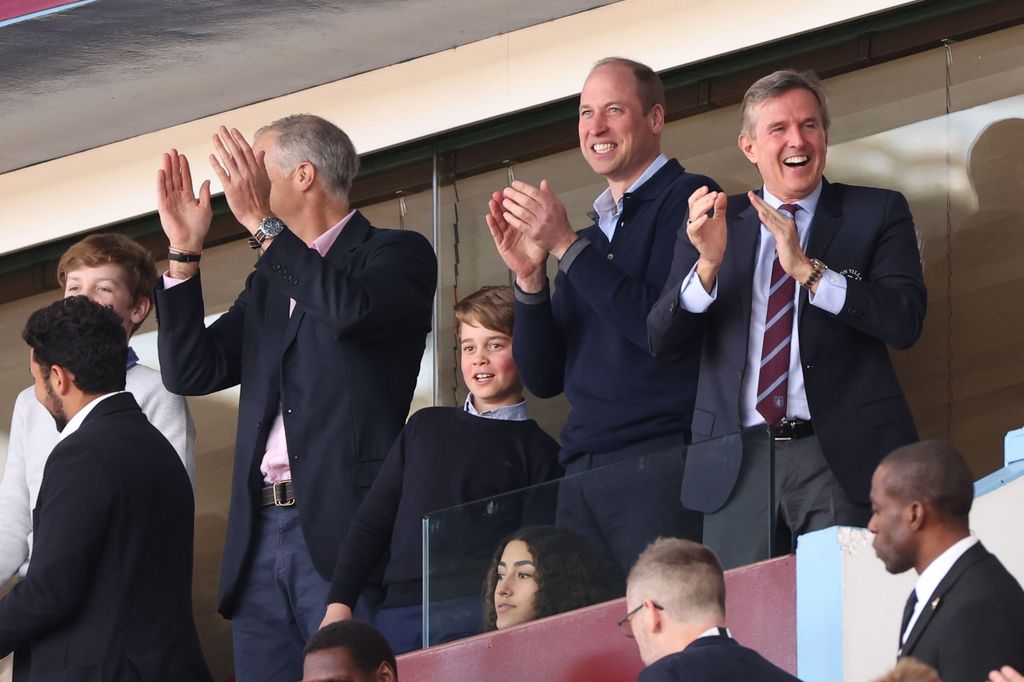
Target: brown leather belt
column 279, row 494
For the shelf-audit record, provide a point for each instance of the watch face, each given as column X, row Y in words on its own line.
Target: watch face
column 271, row 226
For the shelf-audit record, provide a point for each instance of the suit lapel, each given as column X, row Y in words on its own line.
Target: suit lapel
column 745, row 237
column 355, row 232
column 972, row 556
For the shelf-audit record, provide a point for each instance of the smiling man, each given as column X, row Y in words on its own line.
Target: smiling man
column 809, row 363
column 589, row 338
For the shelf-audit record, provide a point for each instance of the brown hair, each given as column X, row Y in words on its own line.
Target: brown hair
column 109, row 248
column 649, row 87
column 684, row 577
column 491, row 306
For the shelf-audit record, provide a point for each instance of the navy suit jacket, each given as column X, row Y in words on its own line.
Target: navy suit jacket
column 108, row 594
column 343, row 368
column 714, row 659
column 856, row 403
column 974, row 622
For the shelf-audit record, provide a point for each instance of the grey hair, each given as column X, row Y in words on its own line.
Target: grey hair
column 308, row 138
column 777, row 84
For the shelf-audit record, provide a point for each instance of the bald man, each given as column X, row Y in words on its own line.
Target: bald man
column 675, row 598
column 965, row 616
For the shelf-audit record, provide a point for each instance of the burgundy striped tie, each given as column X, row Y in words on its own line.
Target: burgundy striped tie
column 773, row 380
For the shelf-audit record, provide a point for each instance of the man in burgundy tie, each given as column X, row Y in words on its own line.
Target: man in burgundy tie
column 798, row 290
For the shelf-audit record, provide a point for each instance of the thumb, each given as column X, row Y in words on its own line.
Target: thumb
column 721, row 202
column 545, row 186
column 204, row 193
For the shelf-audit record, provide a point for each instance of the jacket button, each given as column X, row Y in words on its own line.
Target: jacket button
column 611, row 256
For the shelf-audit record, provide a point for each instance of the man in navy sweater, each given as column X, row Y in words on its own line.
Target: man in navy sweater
column 589, row 338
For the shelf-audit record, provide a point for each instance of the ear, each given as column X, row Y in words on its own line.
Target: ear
column 747, row 147
column 655, row 616
column 916, row 515
column 656, row 117
column 385, row 673
column 61, row 380
column 305, row 175
column 140, row 310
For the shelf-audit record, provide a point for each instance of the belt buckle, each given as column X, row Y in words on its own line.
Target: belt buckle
column 279, row 497
column 785, row 427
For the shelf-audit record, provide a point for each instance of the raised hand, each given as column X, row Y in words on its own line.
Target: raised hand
column 243, row 174
column 520, row 253
column 707, row 230
column 787, row 241
column 184, row 218
column 539, row 214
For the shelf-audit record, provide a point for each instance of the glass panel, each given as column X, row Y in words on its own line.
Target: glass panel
column 573, row 562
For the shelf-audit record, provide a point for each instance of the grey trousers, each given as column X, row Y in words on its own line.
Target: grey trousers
column 807, row 497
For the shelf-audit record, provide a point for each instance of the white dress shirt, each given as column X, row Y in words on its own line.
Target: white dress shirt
column 831, row 296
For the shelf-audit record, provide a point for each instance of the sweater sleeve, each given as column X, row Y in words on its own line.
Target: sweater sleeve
column 168, row 412
column 16, row 519
column 538, row 344
column 369, row 536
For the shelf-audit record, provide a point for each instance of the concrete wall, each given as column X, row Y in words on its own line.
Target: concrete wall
column 408, row 101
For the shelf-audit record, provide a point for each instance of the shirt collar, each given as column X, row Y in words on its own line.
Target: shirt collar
column 939, row 567
column 606, row 204
column 809, row 203
column 715, row 632
column 512, row 413
column 133, row 358
column 75, row 422
column 324, row 242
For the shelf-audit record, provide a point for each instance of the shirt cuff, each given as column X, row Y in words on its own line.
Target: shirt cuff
column 831, row 295
column 692, row 296
column 170, row 282
column 569, row 257
column 531, row 299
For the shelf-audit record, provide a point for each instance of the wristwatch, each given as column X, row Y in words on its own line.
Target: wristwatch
column 270, row 227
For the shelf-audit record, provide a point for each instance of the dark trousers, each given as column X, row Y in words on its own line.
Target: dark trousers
column 807, row 497
column 282, row 603
column 450, row 619
column 621, row 509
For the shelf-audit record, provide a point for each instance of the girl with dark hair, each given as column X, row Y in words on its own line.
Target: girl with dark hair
column 540, row 571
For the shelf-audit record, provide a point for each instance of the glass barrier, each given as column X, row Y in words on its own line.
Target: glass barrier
column 575, row 540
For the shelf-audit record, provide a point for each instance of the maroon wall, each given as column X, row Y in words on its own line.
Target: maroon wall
column 19, row 8
column 586, row 646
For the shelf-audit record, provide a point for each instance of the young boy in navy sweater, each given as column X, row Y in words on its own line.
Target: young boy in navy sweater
column 444, row 457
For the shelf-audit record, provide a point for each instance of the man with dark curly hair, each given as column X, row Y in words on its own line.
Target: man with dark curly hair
column 108, row 594
column 349, row 650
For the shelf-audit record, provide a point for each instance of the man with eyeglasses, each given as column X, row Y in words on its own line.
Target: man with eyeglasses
column 675, row 598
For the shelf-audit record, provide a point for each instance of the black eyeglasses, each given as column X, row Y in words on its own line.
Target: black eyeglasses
column 624, row 625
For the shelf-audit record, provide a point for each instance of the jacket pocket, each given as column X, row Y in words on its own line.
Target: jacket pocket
column 886, row 411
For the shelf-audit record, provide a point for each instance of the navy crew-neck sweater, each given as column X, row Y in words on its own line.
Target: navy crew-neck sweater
column 590, row 337
column 444, row 457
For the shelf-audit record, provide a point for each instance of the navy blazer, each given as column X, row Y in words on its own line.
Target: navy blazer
column 108, row 594
column 714, row 659
column 974, row 622
column 856, row 403
column 343, row 368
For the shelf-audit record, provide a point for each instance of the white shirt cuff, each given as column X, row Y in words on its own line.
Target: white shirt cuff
column 692, row 296
column 831, row 295
column 171, row 281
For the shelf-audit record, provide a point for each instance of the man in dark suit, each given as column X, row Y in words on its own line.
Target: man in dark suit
column 108, row 594
column 326, row 341
column 965, row 616
column 675, row 600
column 810, row 361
